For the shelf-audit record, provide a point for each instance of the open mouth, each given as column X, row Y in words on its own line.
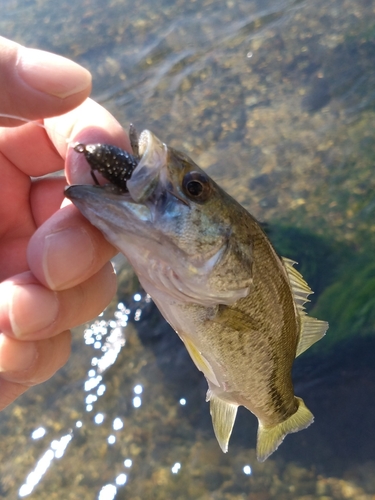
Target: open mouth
column 131, row 201
column 137, row 173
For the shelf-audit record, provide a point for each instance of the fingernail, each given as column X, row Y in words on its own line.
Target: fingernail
column 55, row 75
column 67, row 255
column 31, row 309
column 16, row 356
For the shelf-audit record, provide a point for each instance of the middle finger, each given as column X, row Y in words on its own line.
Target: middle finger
column 33, row 312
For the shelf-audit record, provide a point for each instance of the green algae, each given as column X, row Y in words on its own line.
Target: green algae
column 348, row 304
column 341, row 277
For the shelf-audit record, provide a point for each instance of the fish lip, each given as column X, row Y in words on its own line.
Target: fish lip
column 110, row 188
column 77, row 192
column 112, row 193
column 111, row 210
column 145, row 177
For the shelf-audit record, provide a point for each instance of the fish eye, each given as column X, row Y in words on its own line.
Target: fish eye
column 196, row 186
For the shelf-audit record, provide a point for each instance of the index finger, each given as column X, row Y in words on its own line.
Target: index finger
column 39, row 148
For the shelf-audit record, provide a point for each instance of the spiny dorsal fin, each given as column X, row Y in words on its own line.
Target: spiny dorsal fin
column 223, row 416
column 312, row 329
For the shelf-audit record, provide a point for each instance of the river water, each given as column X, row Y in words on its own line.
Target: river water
column 276, row 100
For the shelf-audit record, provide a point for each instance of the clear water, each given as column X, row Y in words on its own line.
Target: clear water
column 276, row 100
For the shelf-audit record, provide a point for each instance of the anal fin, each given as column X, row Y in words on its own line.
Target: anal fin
column 223, row 416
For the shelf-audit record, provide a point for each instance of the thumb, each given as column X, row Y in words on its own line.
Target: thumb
column 37, row 84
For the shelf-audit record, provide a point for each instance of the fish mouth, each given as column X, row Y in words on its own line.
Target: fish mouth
column 141, row 185
column 111, row 209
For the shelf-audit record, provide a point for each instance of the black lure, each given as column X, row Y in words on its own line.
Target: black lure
column 114, row 164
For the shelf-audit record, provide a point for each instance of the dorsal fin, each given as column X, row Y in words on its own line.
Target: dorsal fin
column 312, row 329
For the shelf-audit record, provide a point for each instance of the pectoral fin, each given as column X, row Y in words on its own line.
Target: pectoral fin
column 200, row 361
column 223, row 416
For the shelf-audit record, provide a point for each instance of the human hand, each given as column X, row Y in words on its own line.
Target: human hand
column 54, row 269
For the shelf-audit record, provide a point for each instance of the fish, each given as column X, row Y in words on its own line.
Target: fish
column 216, row 278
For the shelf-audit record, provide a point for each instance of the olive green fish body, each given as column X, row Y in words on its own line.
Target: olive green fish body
column 255, row 340
column 214, row 275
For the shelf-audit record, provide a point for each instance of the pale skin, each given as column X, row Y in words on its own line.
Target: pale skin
column 54, row 266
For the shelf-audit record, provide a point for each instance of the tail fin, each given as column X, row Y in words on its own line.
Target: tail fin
column 269, row 438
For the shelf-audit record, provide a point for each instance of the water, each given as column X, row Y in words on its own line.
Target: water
column 276, row 100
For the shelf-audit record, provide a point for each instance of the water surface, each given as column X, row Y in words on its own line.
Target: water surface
column 276, row 100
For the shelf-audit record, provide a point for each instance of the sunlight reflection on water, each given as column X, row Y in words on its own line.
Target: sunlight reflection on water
column 110, row 334
column 56, row 450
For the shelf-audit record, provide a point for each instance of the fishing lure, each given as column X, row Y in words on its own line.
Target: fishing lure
column 113, row 163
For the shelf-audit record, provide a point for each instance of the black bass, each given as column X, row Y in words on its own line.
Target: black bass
column 214, row 275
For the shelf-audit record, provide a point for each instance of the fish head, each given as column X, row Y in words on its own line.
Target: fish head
column 184, row 236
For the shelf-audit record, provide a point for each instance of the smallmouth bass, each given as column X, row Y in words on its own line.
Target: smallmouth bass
column 215, row 277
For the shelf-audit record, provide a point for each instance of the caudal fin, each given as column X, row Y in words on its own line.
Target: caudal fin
column 269, row 438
